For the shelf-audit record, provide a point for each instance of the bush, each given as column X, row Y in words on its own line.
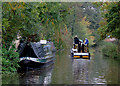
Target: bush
column 110, row 50
column 9, row 59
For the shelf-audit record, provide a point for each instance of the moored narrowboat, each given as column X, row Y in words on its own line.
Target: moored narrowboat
column 36, row 54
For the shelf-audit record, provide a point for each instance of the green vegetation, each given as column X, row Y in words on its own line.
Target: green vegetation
column 110, row 25
column 9, row 59
column 110, row 50
column 84, row 21
column 10, row 78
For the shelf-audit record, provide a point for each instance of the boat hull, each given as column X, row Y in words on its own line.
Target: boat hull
column 30, row 62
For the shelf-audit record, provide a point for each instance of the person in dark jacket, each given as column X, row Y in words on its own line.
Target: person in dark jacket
column 76, row 40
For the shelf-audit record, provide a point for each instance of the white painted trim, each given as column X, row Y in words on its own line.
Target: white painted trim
column 35, row 59
column 81, row 53
column 29, row 58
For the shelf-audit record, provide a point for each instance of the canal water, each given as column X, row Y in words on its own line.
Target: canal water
column 97, row 70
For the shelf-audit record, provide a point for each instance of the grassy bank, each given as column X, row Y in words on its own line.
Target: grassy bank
column 110, row 49
column 9, row 59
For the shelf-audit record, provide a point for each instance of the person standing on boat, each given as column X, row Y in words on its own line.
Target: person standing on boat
column 86, row 44
column 76, row 42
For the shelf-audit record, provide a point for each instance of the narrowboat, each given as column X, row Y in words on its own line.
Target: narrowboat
column 80, row 51
column 36, row 54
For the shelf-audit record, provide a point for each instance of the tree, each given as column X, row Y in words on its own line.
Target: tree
column 27, row 19
column 110, row 24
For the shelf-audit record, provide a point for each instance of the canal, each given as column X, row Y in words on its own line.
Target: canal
column 97, row 70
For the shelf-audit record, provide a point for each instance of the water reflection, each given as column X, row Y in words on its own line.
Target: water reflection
column 42, row 76
column 81, row 71
column 62, row 72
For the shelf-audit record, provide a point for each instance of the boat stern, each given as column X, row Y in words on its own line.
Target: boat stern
column 81, row 55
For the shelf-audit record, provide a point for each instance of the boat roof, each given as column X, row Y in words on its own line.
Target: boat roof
column 36, row 47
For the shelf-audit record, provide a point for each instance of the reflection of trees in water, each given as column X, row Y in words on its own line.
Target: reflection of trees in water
column 106, row 69
column 80, row 70
column 112, row 69
column 62, row 73
column 47, row 79
column 42, row 76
